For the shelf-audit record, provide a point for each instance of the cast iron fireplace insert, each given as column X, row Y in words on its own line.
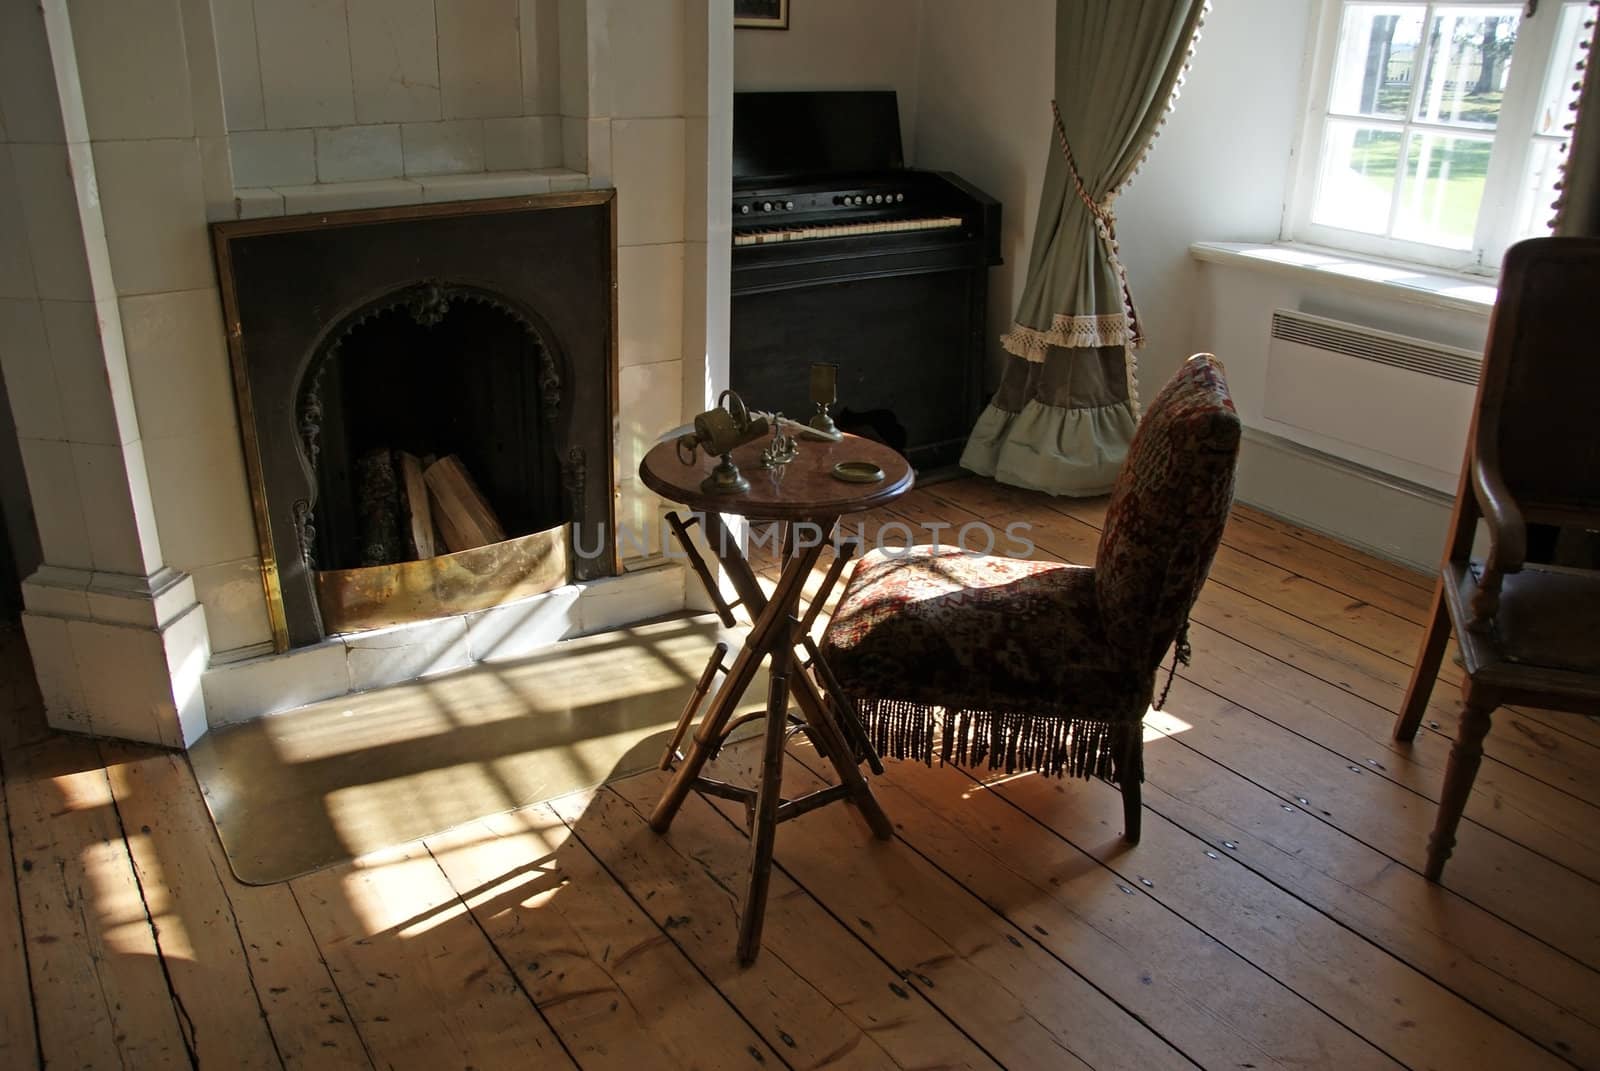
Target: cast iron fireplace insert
column 484, row 329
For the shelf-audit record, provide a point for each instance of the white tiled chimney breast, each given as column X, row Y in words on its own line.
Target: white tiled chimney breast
column 130, row 123
column 326, row 91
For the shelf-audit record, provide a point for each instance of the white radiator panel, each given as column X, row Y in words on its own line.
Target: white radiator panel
column 1398, row 396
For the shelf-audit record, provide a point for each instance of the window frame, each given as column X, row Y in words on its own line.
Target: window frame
column 1504, row 199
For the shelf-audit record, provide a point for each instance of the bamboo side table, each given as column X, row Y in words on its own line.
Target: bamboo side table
column 804, row 492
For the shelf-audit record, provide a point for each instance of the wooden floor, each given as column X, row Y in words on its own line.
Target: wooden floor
column 1274, row 914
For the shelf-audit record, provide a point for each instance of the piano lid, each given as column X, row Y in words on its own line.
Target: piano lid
column 815, row 133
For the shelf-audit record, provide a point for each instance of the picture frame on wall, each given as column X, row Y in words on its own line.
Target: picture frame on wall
column 761, row 14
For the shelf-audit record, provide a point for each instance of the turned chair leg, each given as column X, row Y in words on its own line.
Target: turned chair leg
column 1130, row 772
column 1429, row 655
column 1465, row 756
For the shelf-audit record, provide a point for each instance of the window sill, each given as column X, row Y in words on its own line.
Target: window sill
column 1393, row 280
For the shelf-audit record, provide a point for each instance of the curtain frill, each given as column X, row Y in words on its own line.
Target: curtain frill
column 1052, row 448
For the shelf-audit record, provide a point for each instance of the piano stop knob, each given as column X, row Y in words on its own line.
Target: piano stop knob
column 744, row 210
column 766, row 206
column 788, row 204
column 858, row 199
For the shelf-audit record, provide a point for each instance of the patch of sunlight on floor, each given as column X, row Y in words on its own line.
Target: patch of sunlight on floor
column 118, row 907
column 997, row 780
column 626, row 668
column 1159, row 724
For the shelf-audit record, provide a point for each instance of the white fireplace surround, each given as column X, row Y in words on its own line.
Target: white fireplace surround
column 127, row 125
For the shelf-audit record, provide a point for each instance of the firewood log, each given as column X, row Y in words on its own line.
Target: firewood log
column 419, row 512
column 464, row 516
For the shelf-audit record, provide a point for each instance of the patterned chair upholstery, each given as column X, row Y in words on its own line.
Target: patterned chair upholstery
column 1034, row 665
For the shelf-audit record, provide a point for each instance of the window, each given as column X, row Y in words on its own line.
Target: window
column 1436, row 131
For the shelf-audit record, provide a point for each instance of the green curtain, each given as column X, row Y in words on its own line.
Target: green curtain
column 1068, row 399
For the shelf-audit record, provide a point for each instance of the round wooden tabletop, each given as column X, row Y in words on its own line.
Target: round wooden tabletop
column 803, row 490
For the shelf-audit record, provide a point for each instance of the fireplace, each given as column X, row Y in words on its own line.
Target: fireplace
column 379, row 355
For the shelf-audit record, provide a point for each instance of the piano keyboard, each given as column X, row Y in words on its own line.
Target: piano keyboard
column 771, row 235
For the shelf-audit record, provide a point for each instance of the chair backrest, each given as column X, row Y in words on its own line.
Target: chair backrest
column 1538, row 420
column 1167, row 511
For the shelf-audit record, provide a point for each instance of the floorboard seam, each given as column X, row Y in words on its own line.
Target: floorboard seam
column 186, row 1024
column 333, row 982
column 516, row 979
column 249, row 968
column 617, row 880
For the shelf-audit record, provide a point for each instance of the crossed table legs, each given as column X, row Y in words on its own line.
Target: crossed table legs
column 776, row 632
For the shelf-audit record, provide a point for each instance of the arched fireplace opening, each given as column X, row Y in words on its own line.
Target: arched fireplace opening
column 431, row 372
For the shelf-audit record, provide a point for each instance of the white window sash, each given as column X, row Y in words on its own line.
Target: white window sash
column 1503, row 200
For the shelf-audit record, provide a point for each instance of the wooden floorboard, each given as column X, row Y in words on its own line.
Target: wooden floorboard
column 1274, row 914
column 19, row 1039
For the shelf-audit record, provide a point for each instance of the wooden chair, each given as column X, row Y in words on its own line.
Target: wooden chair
column 1527, row 633
column 1036, row 665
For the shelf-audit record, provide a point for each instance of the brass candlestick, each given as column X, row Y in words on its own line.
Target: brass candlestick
column 824, row 392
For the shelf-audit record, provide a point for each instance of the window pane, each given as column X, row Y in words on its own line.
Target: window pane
column 1562, row 81
column 1443, row 188
column 1468, row 58
column 1376, row 58
column 1356, row 185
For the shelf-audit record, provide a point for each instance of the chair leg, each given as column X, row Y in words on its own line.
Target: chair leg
column 1465, row 756
column 1130, row 774
column 1429, row 655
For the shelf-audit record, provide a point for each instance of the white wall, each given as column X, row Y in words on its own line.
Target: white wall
column 1219, row 170
column 983, row 111
column 840, row 44
column 360, row 90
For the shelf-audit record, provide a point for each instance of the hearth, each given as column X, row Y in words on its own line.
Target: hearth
column 428, row 396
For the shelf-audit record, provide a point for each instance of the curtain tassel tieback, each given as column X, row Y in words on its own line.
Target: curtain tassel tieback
column 1105, row 218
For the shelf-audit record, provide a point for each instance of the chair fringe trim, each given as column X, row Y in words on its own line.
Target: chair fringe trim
column 1005, row 740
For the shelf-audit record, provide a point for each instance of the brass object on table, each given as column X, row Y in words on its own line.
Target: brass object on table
column 721, row 431
column 857, row 472
column 352, row 600
column 824, row 392
column 783, row 448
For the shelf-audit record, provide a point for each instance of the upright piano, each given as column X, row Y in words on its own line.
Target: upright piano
column 841, row 253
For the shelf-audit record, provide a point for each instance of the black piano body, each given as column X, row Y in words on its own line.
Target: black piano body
column 842, row 254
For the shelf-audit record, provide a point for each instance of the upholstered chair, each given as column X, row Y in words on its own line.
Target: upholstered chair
column 1035, row 665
